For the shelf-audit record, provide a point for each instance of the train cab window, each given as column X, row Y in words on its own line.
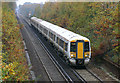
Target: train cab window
column 86, row 47
column 73, row 47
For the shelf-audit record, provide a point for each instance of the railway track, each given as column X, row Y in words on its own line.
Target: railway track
column 47, row 63
column 70, row 74
column 88, row 75
column 112, row 67
column 68, row 77
column 85, row 74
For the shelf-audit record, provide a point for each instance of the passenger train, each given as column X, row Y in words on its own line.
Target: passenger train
column 75, row 48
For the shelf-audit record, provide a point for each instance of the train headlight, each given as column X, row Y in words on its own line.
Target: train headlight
column 87, row 55
column 72, row 55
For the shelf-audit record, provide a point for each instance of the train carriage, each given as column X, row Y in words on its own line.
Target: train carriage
column 75, row 47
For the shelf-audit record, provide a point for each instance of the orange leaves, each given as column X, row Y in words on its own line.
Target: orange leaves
column 117, row 36
column 97, row 32
column 116, row 44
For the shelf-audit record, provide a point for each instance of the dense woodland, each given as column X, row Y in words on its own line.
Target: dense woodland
column 97, row 21
column 14, row 66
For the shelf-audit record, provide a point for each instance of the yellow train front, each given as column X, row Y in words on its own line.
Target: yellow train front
column 80, row 52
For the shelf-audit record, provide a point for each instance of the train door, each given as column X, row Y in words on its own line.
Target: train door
column 80, row 50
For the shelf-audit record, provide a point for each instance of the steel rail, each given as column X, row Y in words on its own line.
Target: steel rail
column 38, row 56
column 60, row 69
column 77, row 75
column 67, row 77
column 40, row 60
column 94, row 75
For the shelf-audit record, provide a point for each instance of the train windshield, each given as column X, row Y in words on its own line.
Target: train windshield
column 73, row 47
column 86, row 47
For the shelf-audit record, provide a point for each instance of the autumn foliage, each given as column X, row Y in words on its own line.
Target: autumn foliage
column 96, row 20
column 14, row 65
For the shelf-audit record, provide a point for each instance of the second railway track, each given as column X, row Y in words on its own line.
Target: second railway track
column 66, row 71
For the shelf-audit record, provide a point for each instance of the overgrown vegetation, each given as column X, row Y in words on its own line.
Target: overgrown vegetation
column 14, row 65
column 0, row 41
column 98, row 21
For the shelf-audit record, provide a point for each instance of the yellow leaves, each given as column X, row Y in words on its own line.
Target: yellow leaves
column 0, row 56
column 6, row 77
column 11, row 72
column 8, row 71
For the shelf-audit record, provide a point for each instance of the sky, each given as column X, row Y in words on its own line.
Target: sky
column 21, row 2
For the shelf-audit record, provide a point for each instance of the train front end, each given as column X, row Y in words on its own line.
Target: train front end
column 80, row 52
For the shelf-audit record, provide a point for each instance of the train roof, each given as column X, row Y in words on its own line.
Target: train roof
column 66, row 34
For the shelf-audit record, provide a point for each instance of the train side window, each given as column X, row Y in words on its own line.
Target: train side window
column 40, row 27
column 54, row 37
column 66, row 45
column 50, row 35
column 45, row 31
column 61, row 43
column 57, row 40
